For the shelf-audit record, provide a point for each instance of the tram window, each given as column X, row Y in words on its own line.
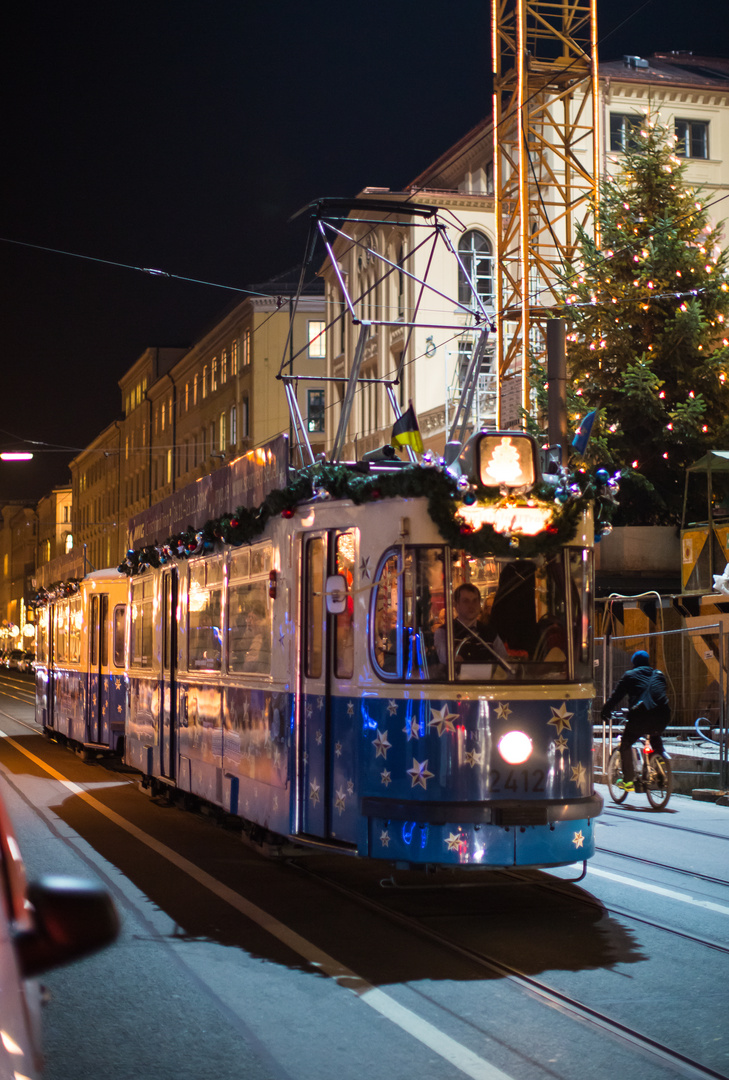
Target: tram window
column 41, row 644
column 314, row 607
column 344, row 555
column 205, row 616
column 62, row 631
column 142, row 611
column 120, row 624
column 240, row 562
column 93, row 631
column 444, row 614
column 408, row 611
column 75, row 621
column 249, row 627
column 580, row 576
column 261, row 559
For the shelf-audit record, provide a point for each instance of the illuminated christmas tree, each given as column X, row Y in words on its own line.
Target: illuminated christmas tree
column 648, row 328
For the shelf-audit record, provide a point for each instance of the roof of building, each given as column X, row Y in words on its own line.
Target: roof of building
column 671, row 69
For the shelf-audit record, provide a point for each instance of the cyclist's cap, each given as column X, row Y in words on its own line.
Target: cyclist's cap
column 641, row 658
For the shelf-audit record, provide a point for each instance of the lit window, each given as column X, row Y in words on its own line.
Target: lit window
column 194, row 389
column 223, row 432
column 315, row 410
column 234, row 357
column 205, row 382
column 246, row 357
column 477, row 256
column 214, row 374
column 223, row 366
column 317, row 339
column 692, row 138
column 233, row 426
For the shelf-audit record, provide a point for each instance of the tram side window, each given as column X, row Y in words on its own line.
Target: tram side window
column 141, row 645
column 42, row 636
column 120, row 625
column 75, row 621
column 205, row 616
column 62, row 632
column 582, row 601
column 314, row 608
column 249, row 627
column 344, row 630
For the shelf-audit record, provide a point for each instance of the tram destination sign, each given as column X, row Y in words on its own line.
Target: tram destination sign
column 245, row 481
column 505, row 459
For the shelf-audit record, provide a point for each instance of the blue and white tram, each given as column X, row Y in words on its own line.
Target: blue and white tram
column 81, row 682
column 318, row 683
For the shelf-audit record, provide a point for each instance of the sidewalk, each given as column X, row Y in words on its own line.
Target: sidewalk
column 696, row 769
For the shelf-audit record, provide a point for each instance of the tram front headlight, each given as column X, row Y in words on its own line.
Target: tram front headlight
column 515, row 747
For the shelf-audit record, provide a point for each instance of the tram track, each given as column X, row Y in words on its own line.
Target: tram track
column 663, row 866
column 568, row 1005
column 651, row 820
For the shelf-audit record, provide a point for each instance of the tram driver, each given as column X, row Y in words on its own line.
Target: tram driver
column 471, row 637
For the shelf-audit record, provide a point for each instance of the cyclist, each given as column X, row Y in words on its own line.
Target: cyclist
column 648, row 712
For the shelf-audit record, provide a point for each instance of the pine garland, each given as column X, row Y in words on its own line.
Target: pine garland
column 445, row 498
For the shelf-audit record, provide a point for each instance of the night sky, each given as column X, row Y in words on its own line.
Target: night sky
column 182, row 137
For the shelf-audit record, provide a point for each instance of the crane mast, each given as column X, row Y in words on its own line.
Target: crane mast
column 546, row 169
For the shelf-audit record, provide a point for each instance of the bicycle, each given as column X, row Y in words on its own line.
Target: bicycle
column 652, row 771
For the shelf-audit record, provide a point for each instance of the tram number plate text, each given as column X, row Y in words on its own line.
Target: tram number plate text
column 516, row 780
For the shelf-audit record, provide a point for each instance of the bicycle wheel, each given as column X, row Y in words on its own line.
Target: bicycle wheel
column 660, row 781
column 615, row 773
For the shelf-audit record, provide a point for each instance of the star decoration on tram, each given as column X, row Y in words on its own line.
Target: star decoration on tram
column 381, row 744
column 412, row 728
column 385, row 838
column 339, row 801
column 319, row 738
column 386, row 777
column 350, row 787
column 338, row 749
column 442, row 720
column 561, row 718
column 117, row 683
column 560, row 744
column 391, row 707
column 314, row 790
column 578, row 839
column 475, row 757
column 579, row 775
column 364, row 567
column 454, row 841
column 420, row 774
column 350, row 708
column 503, row 712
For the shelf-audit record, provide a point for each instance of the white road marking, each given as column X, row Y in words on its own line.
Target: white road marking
column 659, row 890
column 457, row 1055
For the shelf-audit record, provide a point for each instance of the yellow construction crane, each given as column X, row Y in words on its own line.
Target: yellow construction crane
column 546, row 165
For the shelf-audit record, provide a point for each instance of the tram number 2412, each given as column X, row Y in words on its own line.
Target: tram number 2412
column 517, row 780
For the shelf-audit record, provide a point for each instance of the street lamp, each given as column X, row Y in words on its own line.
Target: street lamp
column 12, row 455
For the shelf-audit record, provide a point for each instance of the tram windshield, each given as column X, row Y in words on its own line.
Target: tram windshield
column 441, row 615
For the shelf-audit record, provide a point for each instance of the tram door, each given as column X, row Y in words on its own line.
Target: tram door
column 320, row 746
column 169, row 674
column 99, row 705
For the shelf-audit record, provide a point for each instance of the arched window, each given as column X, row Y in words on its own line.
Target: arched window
column 477, row 256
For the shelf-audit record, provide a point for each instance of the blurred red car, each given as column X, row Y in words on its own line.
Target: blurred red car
column 42, row 925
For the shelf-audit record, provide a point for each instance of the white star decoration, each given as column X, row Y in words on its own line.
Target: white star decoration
column 503, row 711
column 578, row 839
column 391, row 707
column 561, row 718
column 381, row 744
column 350, row 787
column 339, row 801
column 338, row 749
column 318, row 738
column 475, row 757
column 385, row 838
column 314, row 790
column 453, row 841
column 420, row 774
column 579, row 775
column 560, row 744
column 364, row 567
column 386, row 777
column 350, row 708
column 412, row 729
column 442, row 720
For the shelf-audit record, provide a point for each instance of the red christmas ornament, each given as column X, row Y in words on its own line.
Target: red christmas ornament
column 287, row 513
column 234, row 523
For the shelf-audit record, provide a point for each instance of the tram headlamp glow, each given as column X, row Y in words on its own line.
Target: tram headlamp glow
column 515, row 747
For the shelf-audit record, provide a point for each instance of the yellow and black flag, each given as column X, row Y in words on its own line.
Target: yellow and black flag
column 405, row 431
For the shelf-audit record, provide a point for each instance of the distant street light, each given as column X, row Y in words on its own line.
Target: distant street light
column 11, row 455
